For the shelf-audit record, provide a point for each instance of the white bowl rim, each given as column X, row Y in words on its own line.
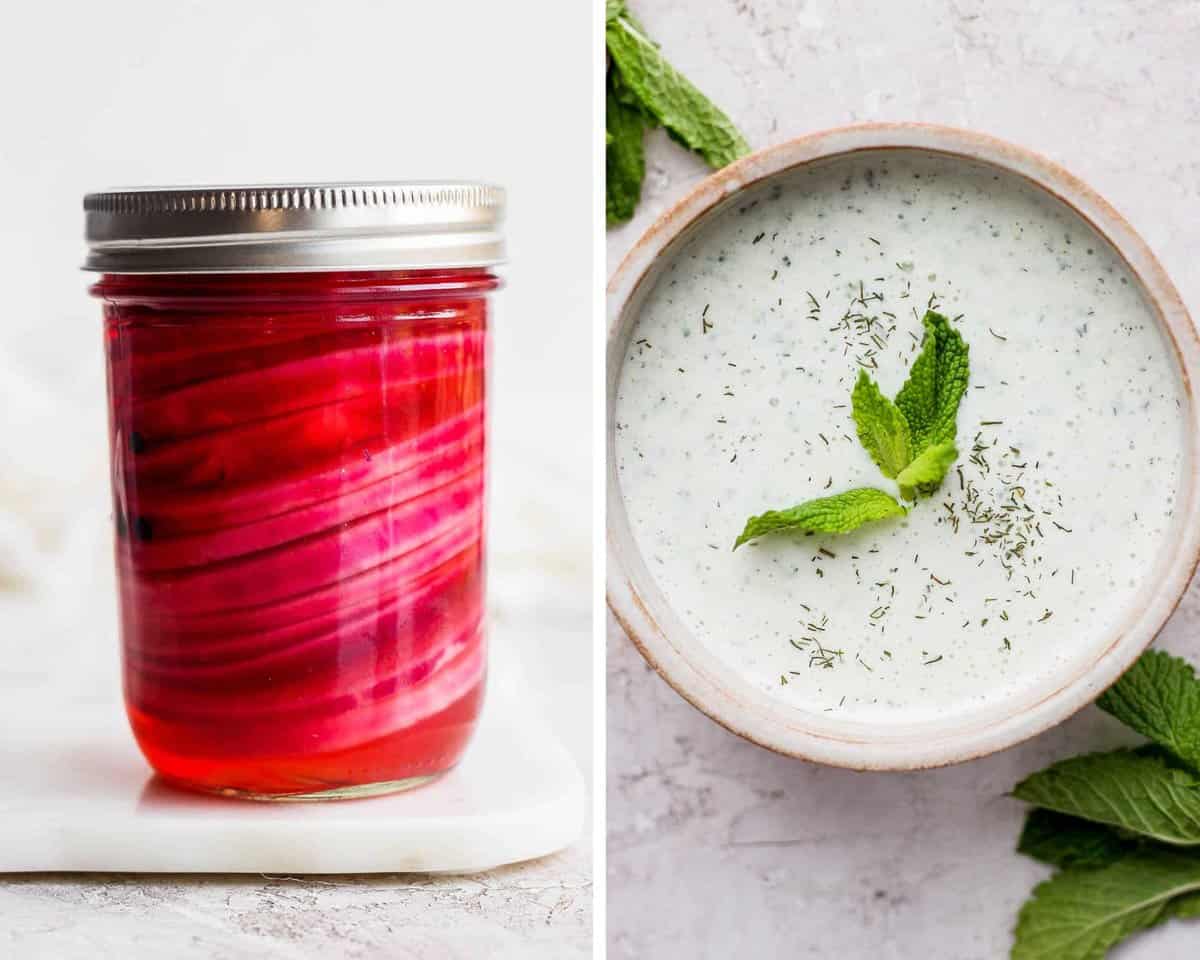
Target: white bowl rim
column 698, row 675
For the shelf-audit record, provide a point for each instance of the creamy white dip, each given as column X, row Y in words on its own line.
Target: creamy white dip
column 735, row 398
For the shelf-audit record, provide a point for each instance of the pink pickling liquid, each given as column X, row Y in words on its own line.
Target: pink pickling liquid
column 298, row 478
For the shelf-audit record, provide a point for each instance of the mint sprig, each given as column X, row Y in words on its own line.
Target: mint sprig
column 645, row 91
column 1123, row 826
column 929, row 402
column 910, row 439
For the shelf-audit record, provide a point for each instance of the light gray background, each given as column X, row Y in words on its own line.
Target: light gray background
column 136, row 92
column 716, row 847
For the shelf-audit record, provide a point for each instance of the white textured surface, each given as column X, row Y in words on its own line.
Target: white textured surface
column 82, row 798
column 717, row 847
column 535, row 912
column 224, row 91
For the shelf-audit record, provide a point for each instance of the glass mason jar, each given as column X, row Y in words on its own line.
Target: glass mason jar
column 296, row 383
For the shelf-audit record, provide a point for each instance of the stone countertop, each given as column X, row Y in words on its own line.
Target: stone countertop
column 539, row 911
column 717, row 847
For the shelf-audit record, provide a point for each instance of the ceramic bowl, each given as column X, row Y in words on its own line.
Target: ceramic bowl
column 701, row 677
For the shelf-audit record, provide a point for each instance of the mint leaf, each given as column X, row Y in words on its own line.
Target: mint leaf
column 624, row 155
column 840, row 513
column 926, row 473
column 930, row 396
column 1159, row 697
column 1119, row 876
column 1064, row 841
column 881, row 426
column 1185, row 907
column 1080, row 914
column 614, row 9
column 1133, row 790
column 668, row 96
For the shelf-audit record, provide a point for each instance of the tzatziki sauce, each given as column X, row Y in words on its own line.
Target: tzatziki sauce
column 734, row 398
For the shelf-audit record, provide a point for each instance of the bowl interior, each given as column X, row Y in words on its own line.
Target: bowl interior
column 928, row 674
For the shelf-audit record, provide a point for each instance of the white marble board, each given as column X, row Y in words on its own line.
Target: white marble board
column 75, row 795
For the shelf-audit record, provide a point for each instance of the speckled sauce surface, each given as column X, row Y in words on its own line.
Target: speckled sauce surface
column 719, row 848
column 735, row 398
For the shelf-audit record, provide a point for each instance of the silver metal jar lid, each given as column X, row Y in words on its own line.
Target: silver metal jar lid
column 294, row 228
